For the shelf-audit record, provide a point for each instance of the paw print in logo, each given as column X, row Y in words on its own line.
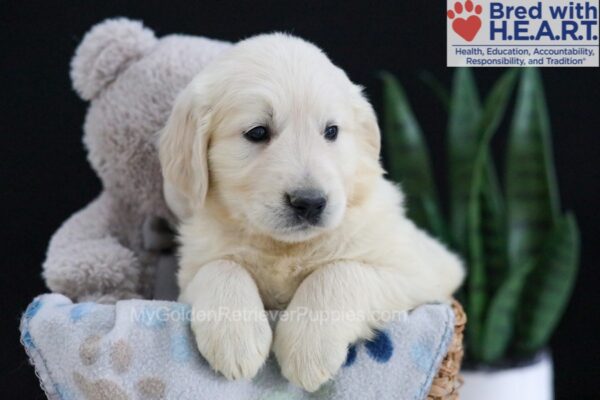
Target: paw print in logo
column 468, row 26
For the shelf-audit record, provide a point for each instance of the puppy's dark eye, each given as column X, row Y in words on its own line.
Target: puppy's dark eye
column 331, row 132
column 257, row 134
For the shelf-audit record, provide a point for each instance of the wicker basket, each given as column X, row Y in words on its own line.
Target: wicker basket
column 447, row 381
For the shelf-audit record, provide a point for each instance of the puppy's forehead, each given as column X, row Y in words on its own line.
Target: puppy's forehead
column 280, row 62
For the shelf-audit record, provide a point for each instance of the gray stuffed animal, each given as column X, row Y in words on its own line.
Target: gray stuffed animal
column 109, row 250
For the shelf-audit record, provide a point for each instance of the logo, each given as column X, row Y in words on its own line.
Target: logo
column 522, row 33
column 467, row 27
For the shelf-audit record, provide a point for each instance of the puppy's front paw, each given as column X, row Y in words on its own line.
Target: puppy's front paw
column 308, row 354
column 235, row 348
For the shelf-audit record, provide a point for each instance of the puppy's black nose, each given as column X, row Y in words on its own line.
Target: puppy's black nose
column 308, row 204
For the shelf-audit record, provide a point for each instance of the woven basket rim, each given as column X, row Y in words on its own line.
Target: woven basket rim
column 447, row 381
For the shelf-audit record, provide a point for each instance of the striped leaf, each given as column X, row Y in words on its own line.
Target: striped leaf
column 494, row 109
column 476, row 278
column 408, row 159
column 500, row 319
column 549, row 287
column 531, row 193
column 493, row 228
column 463, row 138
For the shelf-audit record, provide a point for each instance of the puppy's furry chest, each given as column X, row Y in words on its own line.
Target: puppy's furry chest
column 277, row 277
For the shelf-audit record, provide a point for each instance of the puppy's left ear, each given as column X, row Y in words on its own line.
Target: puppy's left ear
column 367, row 123
column 183, row 153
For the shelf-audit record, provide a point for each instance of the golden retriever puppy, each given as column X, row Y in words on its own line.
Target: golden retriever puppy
column 271, row 160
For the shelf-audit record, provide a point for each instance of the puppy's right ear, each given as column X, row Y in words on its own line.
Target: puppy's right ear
column 183, row 153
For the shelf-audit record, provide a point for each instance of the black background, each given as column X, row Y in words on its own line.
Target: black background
column 45, row 176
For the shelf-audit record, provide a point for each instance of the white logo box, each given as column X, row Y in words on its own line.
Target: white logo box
column 518, row 33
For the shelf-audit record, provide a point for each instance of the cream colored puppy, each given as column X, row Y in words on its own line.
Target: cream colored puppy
column 271, row 160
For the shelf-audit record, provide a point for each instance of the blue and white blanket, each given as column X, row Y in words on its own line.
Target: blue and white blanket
column 141, row 349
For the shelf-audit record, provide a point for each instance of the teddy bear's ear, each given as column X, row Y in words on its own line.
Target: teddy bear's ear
column 107, row 50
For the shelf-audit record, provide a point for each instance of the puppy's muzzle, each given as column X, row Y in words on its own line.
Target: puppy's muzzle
column 307, row 204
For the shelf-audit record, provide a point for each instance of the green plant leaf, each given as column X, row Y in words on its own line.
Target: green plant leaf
column 487, row 252
column 531, row 193
column 463, row 139
column 476, row 278
column 494, row 109
column 500, row 319
column 549, row 287
column 408, row 158
column 493, row 229
column 436, row 87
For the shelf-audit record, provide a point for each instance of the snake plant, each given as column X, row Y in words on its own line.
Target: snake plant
column 520, row 250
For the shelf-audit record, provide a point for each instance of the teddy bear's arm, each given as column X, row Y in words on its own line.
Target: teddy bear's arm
column 86, row 262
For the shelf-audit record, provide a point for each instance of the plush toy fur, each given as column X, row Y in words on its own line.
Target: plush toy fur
column 131, row 79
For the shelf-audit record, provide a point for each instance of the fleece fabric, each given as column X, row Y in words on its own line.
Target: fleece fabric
column 140, row 349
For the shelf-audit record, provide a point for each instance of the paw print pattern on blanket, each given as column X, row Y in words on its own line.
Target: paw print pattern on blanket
column 120, row 353
column 120, row 356
column 137, row 350
column 101, row 389
column 104, row 389
column 380, row 349
column 80, row 310
column 89, row 351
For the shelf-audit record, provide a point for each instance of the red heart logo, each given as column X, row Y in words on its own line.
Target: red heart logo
column 467, row 28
